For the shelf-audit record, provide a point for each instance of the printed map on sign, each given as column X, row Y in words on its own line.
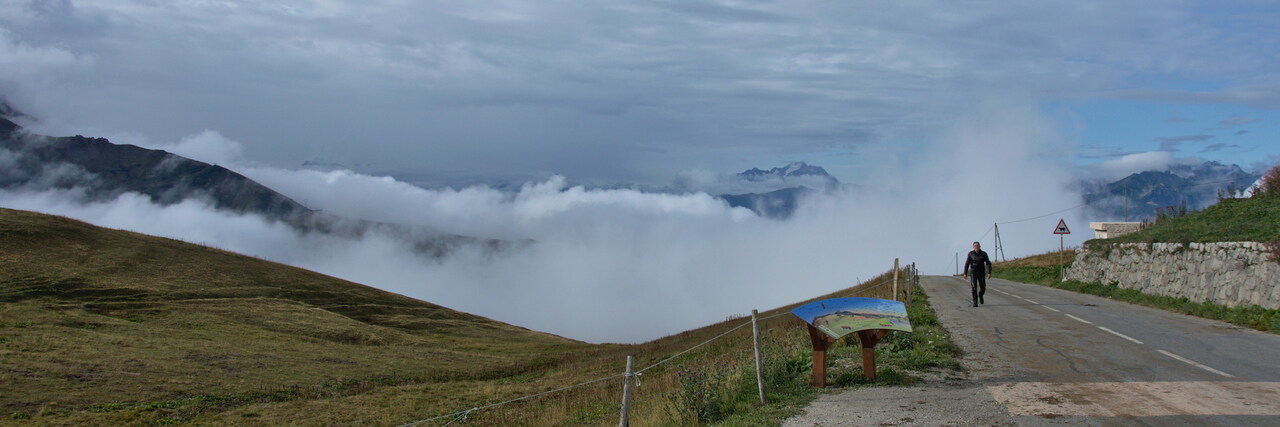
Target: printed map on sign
column 838, row 317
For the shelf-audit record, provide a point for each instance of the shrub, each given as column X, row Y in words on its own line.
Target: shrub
column 1270, row 185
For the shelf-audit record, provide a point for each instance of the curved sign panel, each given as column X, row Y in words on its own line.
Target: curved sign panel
column 838, row 317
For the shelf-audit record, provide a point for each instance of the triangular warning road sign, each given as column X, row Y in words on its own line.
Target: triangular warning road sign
column 1062, row 228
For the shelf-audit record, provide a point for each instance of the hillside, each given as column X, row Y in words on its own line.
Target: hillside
column 1254, row 219
column 107, row 327
column 99, row 318
column 1198, row 185
column 101, row 170
column 164, row 177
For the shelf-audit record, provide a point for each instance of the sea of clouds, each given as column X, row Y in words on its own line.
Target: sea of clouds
column 624, row 265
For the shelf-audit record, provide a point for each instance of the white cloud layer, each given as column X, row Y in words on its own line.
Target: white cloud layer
column 626, row 265
column 1115, row 169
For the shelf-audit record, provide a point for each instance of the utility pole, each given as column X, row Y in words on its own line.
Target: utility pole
column 999, row 247
column 1126, row 203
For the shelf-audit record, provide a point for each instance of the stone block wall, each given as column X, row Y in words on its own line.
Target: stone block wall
column 1227, row 273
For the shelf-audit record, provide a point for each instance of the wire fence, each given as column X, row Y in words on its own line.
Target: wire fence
column 663, row 388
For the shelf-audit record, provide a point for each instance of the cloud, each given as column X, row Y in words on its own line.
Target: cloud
column 207, row 146
column 1236, row 121
column 1241, row 132
column 1126, row 165
column 1171, row 143
column 732, row 183
column 1262, row 96
column 1261, row 167
column 22, row 61
column 629, row 265
column 615, row 92
column 1217, row 147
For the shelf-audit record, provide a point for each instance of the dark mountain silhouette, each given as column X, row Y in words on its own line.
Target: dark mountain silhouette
column 1199, row 186
column 108, row 169
column 798, row 179
column 791, row 172
column 103, row 170
column 778, row 204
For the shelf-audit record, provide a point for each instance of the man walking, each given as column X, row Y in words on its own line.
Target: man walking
column 978, row 268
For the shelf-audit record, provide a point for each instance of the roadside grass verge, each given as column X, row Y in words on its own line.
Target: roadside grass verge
column 1255, row 317
column 902, row 358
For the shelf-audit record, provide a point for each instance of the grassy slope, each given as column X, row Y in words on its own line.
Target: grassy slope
column 91, row 316
column 105, row 327
column 1254, row 219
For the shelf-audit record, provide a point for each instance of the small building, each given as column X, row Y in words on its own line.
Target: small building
column 1107, row 230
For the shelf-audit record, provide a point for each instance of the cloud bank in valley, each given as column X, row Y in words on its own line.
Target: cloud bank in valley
column 626, row 265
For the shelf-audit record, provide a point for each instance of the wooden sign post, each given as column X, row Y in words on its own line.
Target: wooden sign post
column 830, row 319
column 869, row 339
column 821, row 342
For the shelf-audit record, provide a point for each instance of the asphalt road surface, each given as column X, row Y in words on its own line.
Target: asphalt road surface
column 1040, row 356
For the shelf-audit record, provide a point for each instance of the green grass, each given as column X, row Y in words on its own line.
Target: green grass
column 1255, row 317
column 107, row 327
column 1254, row 219
column 900, row 357
column 100, row 324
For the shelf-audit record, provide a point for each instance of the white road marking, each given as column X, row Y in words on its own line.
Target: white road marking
column 1051, row 309
column 1030, row 301
column 1196, row 364
column 1082, row 320
column 1119, row 335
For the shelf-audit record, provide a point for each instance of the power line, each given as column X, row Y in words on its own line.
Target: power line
column 1050, row 214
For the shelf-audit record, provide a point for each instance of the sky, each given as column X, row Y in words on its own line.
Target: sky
column 452, row 92
column 483, row 118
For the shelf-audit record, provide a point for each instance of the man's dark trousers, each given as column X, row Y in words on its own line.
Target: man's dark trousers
column 978, row 283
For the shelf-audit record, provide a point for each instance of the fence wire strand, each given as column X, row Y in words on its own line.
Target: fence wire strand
column 464, row 414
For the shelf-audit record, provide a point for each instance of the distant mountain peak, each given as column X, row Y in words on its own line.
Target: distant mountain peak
column 1141, row 194
column 793, row 169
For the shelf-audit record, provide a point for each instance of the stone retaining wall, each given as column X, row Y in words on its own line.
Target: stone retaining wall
column 1228, row 273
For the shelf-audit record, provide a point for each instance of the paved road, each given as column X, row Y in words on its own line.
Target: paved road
column 1042, row 356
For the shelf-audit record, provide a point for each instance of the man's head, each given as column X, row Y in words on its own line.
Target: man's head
column 977, row 246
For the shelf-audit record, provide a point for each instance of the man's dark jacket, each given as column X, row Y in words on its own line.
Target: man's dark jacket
column 981, row 265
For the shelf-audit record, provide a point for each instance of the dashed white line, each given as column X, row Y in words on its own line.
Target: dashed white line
column 1196, row 364
column 1030, row 301
column 1120, row 335
column 1051, row 309
column 1079, row 319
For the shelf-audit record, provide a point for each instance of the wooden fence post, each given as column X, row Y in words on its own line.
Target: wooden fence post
column 755, row 333
column 895, row 279
column 626, row 394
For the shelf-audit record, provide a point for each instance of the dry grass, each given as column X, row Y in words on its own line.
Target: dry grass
column 105, row 327
column 1047, row 259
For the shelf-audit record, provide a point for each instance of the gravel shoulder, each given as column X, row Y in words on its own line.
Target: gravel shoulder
column 942, row 399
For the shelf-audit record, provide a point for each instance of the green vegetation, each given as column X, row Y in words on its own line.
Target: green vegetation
column 1255, row 219
column 99, row 325
column 1044, row 270
column 726, row 393
column 106, row 327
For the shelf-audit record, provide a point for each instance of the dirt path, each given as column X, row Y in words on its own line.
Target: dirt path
column 1039, row 356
